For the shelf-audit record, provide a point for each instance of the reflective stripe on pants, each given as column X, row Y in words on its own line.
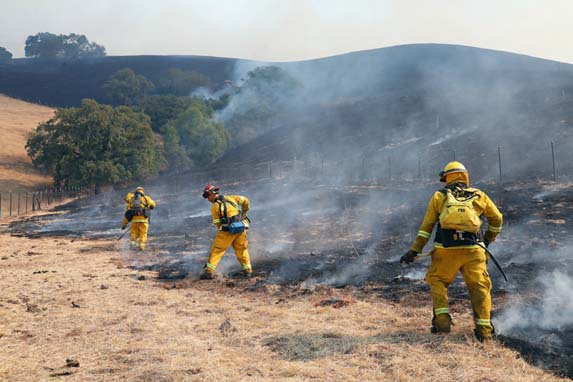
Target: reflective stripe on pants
column 471, row 262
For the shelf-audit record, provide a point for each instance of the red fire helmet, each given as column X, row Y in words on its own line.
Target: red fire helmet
column 210, row 189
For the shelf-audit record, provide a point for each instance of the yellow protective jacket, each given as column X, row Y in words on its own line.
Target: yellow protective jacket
column 483, row 206
column 146, row 202
column 217, row 207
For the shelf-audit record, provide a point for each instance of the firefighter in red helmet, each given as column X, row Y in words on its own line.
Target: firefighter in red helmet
column 229, row 215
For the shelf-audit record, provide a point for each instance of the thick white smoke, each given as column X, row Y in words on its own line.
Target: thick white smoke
column 553, row 311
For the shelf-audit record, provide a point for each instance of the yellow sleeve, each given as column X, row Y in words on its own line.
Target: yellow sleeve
column 244, row 203
column 494, row 219
column 430, row 219
column 241, row 201
column 128, row 199
column 216, row 214
column 149, row 202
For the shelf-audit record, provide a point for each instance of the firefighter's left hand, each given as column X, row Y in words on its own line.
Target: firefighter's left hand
column 123, row 226
column 408, row 257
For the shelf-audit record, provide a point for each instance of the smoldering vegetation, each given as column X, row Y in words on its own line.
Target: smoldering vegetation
column 419, row 105
column 302, row 232
column 308, row 232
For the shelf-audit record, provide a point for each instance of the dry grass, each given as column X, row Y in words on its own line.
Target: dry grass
column 17, row 119
column 64, row 298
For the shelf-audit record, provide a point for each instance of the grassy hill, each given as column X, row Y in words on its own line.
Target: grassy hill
column 17, row 119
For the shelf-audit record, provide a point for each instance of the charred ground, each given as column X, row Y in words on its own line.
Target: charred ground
column 336, row 236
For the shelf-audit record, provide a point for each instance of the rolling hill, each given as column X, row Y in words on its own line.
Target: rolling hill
column 17, row 119
column 63, row 82
column 423, row 103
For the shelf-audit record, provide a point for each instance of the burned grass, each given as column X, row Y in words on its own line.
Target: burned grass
column 311, row 290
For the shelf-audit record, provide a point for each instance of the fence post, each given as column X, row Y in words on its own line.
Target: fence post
column 553, row 159
column 10, row 203
column 389, row 167
column 26, row 201
column 499, row 162
column 19, row 198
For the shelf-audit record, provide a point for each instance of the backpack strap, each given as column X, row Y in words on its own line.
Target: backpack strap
column 222, row 201
column 232, row 203
column 222, row 206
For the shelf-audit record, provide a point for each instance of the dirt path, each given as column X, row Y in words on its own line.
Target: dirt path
column 79, row 300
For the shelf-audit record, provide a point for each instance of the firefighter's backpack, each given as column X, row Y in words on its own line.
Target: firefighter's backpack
column 234, row 224
column 458, row 212
column 137, row 208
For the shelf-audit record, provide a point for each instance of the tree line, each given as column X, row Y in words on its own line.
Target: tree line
column 45, row 45
column 146, row 128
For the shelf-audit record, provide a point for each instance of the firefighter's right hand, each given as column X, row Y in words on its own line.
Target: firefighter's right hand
column 123, row 226
column 408, row 257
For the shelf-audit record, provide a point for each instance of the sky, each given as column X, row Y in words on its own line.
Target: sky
column 292, row 30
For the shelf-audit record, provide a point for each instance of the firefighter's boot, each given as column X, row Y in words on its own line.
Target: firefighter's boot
column 441, row 323
column 484, row 333
column 246, row 274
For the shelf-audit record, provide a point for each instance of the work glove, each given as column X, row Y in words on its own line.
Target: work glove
column 408, row 257
column 486, row 243
column 123, row 226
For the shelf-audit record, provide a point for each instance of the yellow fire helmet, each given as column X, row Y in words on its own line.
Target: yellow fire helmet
column 140, row 189
column 451, row 168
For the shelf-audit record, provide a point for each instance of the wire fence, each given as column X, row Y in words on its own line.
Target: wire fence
column 550, row 162
column 14, row 203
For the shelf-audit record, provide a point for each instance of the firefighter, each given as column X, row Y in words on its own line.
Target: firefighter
column 225, row 211
column 137, row 212
column 458, row 209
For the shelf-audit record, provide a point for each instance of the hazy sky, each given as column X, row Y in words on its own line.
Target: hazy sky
column 284, row 30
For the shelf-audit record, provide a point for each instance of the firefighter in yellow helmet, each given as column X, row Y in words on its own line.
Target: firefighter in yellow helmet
column 229, row 214
column 457, row 209
column 137, row 212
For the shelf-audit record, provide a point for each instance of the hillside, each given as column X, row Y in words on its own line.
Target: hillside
column 17, row 119
column 67, row 82
column 423, row 105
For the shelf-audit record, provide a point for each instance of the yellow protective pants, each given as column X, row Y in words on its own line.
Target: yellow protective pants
column 222, row 241
column 138, row 230
column 446, row 262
